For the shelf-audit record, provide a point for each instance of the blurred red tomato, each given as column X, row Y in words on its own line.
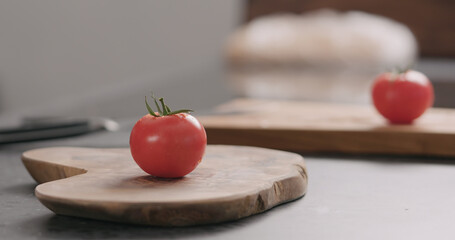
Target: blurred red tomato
column 402, row 97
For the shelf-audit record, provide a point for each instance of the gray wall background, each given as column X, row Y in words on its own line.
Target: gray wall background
column 101, row 57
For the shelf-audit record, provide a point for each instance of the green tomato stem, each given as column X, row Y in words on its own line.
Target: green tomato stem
column 157, row 105
column 149, row 109
column 164, row 110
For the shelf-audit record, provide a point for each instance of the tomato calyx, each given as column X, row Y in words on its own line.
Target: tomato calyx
column 164, row 110
column 397, row 71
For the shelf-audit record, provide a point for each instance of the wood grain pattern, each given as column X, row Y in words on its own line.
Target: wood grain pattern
column 230, row 183
column 322, row 127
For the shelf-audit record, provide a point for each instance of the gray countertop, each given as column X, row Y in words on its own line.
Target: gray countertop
column 348, row 198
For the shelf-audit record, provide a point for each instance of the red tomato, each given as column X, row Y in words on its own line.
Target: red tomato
column 402, row 97
column 168, row 146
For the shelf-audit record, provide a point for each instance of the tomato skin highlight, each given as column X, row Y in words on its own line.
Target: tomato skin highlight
column 403, row 97
column 168, row 146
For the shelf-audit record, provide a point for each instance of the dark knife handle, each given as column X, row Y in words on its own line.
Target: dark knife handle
column 29, row 132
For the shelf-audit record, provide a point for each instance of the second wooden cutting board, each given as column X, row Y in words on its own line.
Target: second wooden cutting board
column 322, row 127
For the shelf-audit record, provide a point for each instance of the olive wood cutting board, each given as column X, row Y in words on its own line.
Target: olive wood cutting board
column 325, row 127
column 230, row 183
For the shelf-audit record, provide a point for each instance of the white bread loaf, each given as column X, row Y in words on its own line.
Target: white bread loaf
column 321, row 55
column 324, row 36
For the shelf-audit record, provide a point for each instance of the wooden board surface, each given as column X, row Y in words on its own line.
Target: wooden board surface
column 323, row 127
column 230, row 183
